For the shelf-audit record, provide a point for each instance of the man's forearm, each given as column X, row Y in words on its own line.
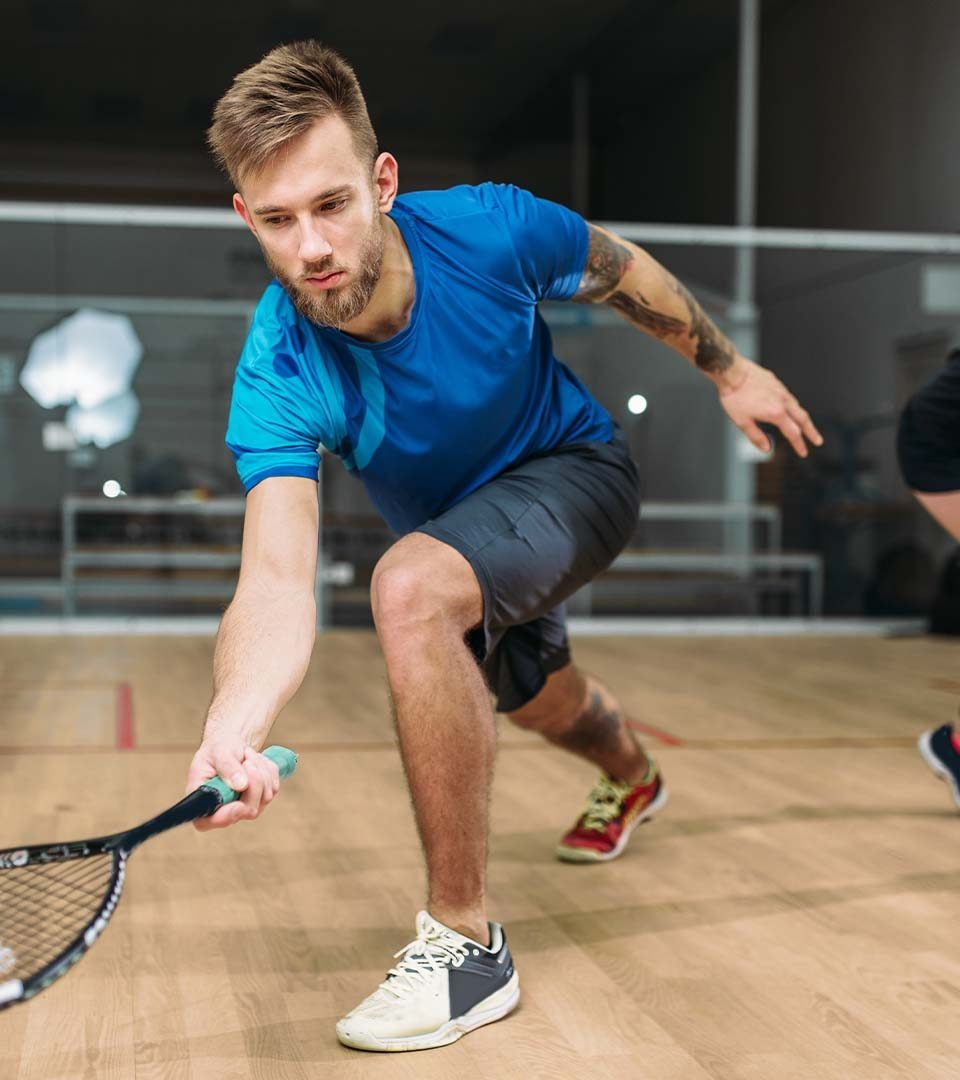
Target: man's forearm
column 625, row 277
column 262, row 653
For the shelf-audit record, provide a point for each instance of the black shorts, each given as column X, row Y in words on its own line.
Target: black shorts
column 928, row 438
column 533, row 536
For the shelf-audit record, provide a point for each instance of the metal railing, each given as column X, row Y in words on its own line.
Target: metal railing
column 174, row 557
column 762, row 570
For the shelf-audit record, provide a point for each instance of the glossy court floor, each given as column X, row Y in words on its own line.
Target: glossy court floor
column 792, row 913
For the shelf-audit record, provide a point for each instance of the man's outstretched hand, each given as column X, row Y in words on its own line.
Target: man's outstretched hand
column 751, row 395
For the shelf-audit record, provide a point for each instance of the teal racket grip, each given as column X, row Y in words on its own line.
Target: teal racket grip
column 284, row 759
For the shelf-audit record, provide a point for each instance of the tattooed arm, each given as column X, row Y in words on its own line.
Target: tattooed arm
column 624, row 276
column 647, row 295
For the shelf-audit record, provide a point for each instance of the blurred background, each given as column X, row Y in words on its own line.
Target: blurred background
column 126, row 284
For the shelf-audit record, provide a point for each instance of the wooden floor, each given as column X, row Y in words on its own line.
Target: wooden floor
column 792, row 913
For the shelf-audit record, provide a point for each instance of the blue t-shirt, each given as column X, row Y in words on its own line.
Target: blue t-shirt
column 467, row 389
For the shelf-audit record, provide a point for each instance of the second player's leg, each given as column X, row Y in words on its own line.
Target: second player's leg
column 928, row 448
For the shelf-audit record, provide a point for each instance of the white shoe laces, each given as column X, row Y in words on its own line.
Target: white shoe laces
column 433, row 949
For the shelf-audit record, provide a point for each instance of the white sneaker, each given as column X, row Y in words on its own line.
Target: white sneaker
column 444, row 986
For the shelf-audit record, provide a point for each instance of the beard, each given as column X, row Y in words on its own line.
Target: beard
column 337, row 306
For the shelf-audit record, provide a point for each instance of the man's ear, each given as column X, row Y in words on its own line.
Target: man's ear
column 241, row 208
column 386, row 181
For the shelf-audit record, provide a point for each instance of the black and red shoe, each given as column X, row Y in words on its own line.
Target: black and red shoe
column 613, row 811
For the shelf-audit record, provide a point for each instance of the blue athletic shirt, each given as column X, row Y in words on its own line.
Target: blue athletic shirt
column 467, row 389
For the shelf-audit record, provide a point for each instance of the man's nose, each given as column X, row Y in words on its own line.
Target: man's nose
column 314, row 246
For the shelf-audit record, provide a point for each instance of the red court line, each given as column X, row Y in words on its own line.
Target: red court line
column 125, row 732
column 655, row 733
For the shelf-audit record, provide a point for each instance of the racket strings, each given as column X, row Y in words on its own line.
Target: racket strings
column 44, row 907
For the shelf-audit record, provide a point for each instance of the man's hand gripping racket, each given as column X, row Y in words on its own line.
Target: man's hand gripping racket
column 56, row 899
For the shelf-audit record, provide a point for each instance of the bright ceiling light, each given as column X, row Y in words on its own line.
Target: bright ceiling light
column 637, row 404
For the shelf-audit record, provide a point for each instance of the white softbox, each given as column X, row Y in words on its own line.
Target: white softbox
column 107, row 423
column 88, row 358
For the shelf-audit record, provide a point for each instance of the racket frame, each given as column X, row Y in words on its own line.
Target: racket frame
column 205, row 800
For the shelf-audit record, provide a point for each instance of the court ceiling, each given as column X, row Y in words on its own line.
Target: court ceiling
column 438, row 76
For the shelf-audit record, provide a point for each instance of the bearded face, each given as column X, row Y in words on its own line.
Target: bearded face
column 317, row 208
column 335, row 305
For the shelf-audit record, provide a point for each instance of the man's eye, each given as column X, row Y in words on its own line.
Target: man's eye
column 274, row 220
column 327, row 207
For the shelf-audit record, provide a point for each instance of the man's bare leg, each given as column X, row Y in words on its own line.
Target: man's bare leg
column 425, row 598
column 579, row 713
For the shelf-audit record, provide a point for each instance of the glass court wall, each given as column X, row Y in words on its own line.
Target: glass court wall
column 851, row 332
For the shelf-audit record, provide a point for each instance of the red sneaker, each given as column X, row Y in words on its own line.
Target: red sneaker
column 613, row 811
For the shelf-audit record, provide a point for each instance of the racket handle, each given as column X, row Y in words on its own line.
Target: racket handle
column 284, row 759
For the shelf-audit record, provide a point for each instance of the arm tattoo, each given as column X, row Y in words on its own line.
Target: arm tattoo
column 607, row 262
column 714, row 353
column 639, row 312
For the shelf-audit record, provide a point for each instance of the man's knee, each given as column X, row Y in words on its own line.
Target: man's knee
column 421, row 580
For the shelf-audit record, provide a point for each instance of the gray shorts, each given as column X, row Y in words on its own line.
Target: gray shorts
column 533, row 536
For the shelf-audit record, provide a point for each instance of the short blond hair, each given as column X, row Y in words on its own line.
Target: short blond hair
column 280, row 98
